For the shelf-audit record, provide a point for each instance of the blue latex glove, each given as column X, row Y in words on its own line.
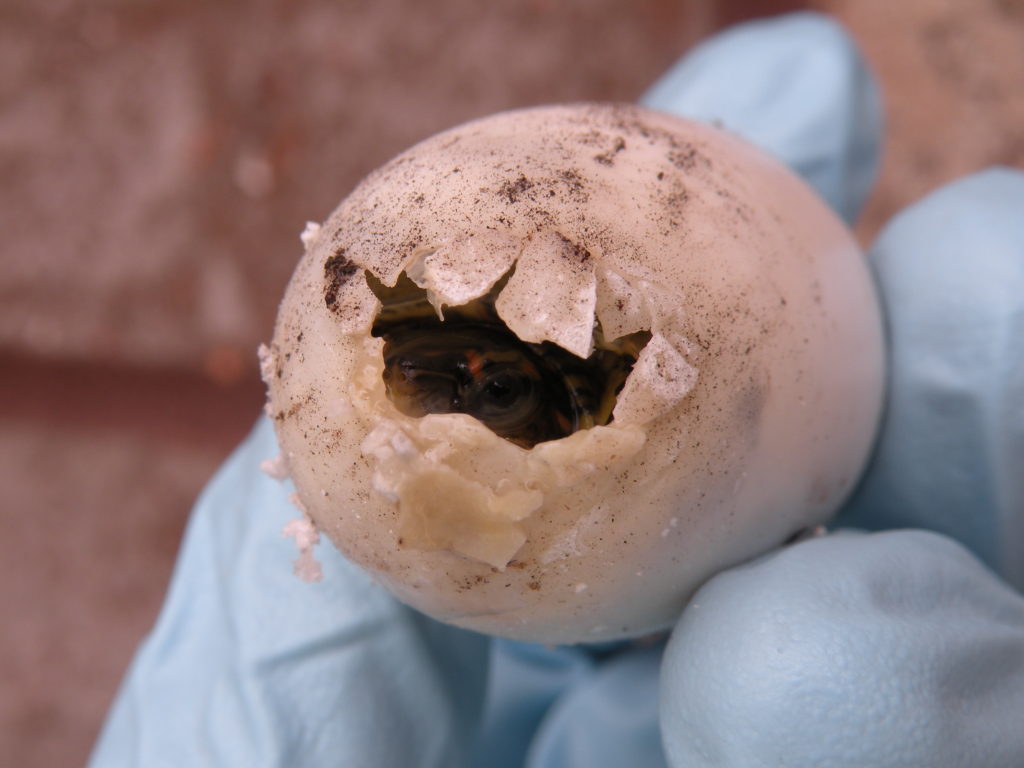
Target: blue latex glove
column 897, row 648
column 249, row 666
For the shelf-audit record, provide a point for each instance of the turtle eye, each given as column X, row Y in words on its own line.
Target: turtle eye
column 502, row 398
column 504, row 389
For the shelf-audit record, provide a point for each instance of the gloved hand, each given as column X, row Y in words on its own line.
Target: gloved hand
column 886, row 649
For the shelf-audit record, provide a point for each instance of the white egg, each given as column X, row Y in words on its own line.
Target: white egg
column 747, row 417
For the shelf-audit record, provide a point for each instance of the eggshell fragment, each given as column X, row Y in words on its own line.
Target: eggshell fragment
column 467, row 268
column 746, row 419
column 559, row 308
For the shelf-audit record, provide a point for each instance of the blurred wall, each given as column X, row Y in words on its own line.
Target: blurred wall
column 157, row 162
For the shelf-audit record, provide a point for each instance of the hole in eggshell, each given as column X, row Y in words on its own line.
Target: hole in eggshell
column 466, row 360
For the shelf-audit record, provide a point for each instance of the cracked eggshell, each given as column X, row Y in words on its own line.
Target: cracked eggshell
column 748, row 416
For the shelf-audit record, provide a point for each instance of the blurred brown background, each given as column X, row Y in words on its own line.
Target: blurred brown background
column 158, row 161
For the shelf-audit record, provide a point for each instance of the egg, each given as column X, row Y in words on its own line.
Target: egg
column 545, row 373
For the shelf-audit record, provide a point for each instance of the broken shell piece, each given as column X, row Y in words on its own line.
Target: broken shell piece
column 559, row 308
column 544, row 374
column 661, row 378
column 456, row 273
column 275, row 468
column 309, row 234
column 307, row 567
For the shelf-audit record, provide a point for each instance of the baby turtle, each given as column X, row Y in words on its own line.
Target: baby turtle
column 471, row 363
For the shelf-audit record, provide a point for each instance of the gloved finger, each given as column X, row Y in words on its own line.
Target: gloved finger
column 608, row 720
column 525, row 680
column 797, row 87
column 248, row 665
column 951, row 448
column 887, row 649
